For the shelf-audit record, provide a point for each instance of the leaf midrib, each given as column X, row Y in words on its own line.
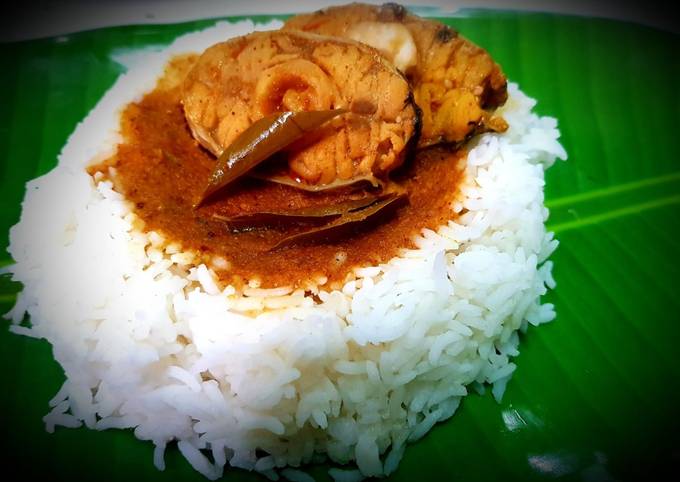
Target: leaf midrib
column 611, row 191
column 614, row 214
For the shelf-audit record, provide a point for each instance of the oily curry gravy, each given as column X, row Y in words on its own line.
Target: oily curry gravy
column 162, row 170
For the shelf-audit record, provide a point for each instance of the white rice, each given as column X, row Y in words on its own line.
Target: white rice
column 269, row 379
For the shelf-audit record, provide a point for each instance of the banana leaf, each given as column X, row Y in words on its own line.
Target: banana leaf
column 596, row 392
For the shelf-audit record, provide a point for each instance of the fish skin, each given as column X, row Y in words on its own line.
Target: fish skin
column 237, row 82
column 457, row 84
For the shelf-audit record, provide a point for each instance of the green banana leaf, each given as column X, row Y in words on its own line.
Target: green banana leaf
column 595, row 395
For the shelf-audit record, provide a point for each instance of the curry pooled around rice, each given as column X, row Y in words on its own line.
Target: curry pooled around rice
column 163, row 171
column 280, row 221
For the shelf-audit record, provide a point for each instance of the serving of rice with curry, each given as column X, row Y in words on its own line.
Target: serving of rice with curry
column 282, row 244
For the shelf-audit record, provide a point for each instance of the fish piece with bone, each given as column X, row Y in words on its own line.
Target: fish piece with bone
column 236, row 83
column 455, row 83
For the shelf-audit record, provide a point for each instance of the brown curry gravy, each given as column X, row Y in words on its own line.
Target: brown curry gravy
column 163, row 171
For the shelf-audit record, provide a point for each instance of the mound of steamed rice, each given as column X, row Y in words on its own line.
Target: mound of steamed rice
column 263, row 379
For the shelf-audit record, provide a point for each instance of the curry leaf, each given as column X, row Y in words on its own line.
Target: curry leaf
column 258, row 142
column 308, row 214
column 347, row 222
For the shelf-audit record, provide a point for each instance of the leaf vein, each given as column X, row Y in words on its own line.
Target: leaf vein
column 609, row 191
column 616, row 213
